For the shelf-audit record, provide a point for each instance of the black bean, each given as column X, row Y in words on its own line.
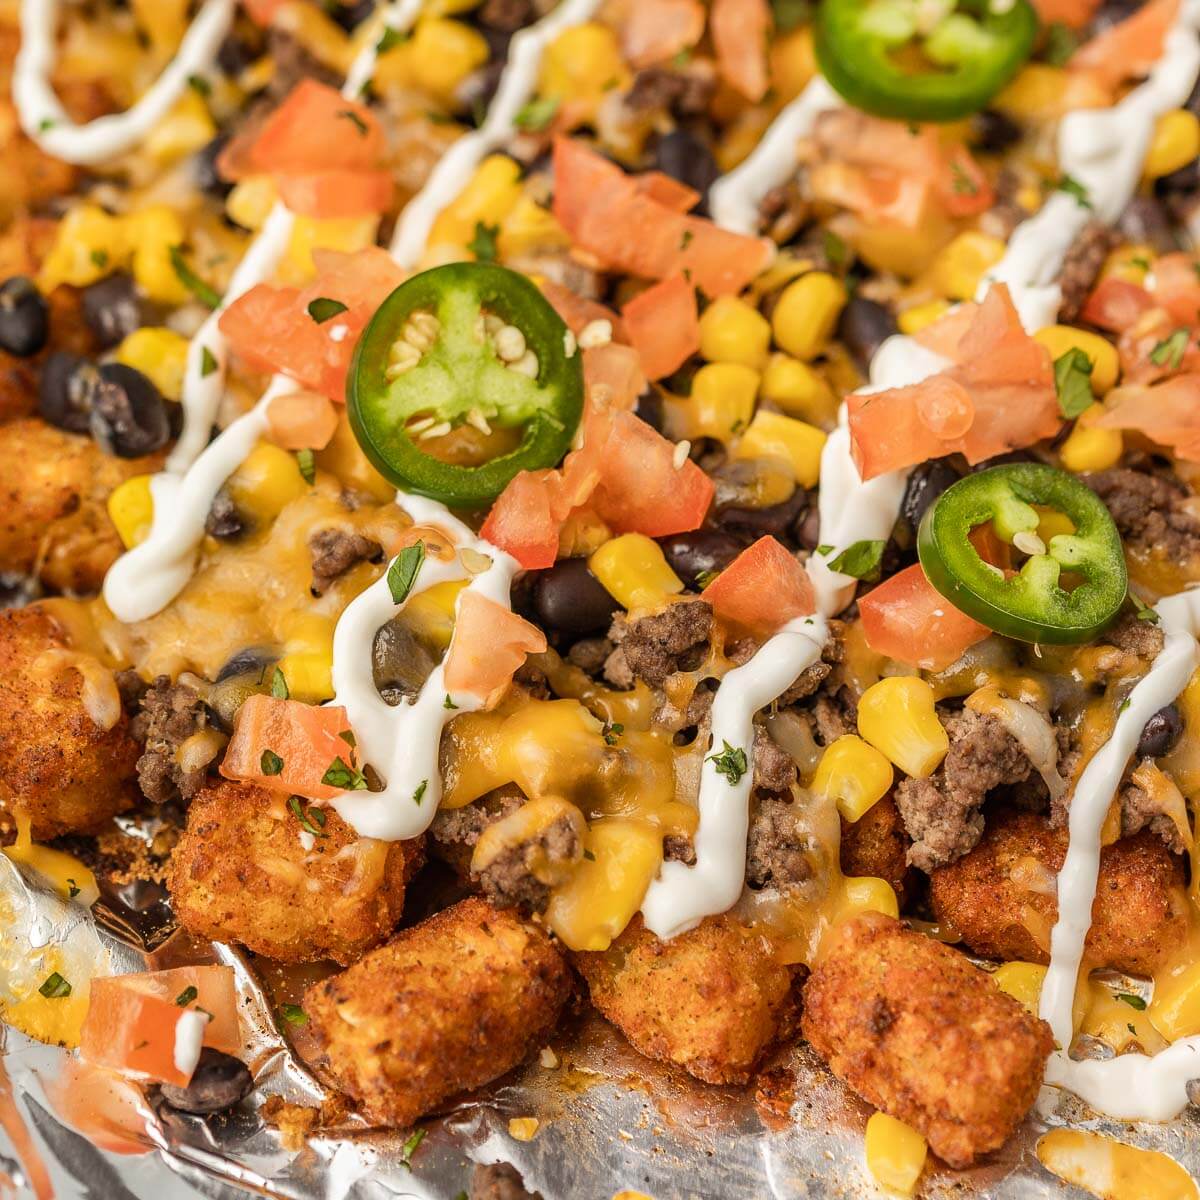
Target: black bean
column 65, row 391
column 350, row 16
column 994, row 131
column 204, row 168
column 649, row 407
column 1146, row 220
column 1183, row 182
column 926, row 483
column 112, row 309
column 863, row 327
column 238, row 51
column 779, row 520
column 1161, row 733
column 700, row 552
column 568, row 598
column 220, row 1081
column 129, row 416
column 24, row 317
column 225, row 521
column 401, row 661
column 685, row 157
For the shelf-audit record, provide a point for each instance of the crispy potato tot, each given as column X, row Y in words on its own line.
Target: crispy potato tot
column 711, row 1000
column 57, row 766
column 876, row 844
column 1000, row 896
column 246, row 870
column 53, row 489
column 446, row 1006
column 920, row 1033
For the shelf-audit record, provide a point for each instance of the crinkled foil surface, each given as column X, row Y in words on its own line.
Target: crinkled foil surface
column 609, row 1119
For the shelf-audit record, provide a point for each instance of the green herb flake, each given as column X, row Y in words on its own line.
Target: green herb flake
column 403, row 572
column 1143, row 610
column 613, row 733
column 204, row 292
column 1133, row 1001
column 1142, row 264
column 339, row 775
column 1170, row 351
column 1124, row 705
column 55, row 987
column 589, row 856
column 200, row 85
column 270, row 763
column 685, row 239
column 483, row 244
column 537, row 114
column 350, row 115
column 72, row 889
column 731, row 763
column 208, row 362
column 324, row 309
column 962, row 184
column 824, row 550
column 1073, row 383
column 100, row 258
column 704, row 578
column 46, row 124
column 390, row 40
column 186, row 997
column 312, row 820
column 448, row 703
column 306, row 460
column 834, row 249
column 279, row 687
column 410, row 1147
column 347, row 736
column 293, row 1014
column 419, row 794
column 860, row 561
column 1060, row 44
column 1075, row 189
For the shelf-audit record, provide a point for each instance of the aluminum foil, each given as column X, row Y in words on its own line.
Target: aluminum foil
column 609, row 1119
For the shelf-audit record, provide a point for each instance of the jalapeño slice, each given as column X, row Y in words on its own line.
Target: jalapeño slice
column 465, row 344
column 887, row 58
column 1030, row 604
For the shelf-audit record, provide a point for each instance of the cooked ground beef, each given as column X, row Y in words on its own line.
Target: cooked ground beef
column 335, row 551
column 455, row 831
column 834, row 715
column 1081, row 267
column 1142, row 639
column 1148, row 510
column 774, row 767
column 684, row 93
column 783, row 213
column 1139, row 811
column 293, row 63
column 652, row 648
column 131, row 687
column 811, row 678
column 774, row 852
column 942, row 813
column 170, row 714
column 499, row 1181
column 590, row 654
column 678, row 848
column 509, row 881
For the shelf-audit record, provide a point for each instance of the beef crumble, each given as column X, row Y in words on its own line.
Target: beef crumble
column 655, row 647
column 1140, row 810
column 811, row 678
column 170, row 714
column 1149, row 511
column 775, row 854
column 774, row 767
column 510, row 879
column 335, row 551
column 1082, row 266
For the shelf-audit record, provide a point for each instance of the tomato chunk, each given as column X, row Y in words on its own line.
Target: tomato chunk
column 663, row 326
column 1129, row 48
column 287, row 746
column 653, row 31
column 132, row 1019
column 1116, row 305
column 740, row 29
column 907, row 619
column 1177, row 286
column 763, row 589
column 490, row 644
column 1167, row 413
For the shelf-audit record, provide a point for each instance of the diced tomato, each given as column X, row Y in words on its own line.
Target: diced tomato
column 653, row 31
column 301, row 421
column 1158, row 347
column 490, row 643
column 1167, row 413
column 522, row 523
column 763, row 589
column 131, row 1020
column 665, row 190
column 613, row 375
column 739, row 31
column 270, row 327
column 1129, row 48
column 961, row 185
column 1177, row 286
column 287, row 746
column 907, row 619
column 1075, row 14
column 885, row 196
column 577, row 311
column 998, row 396
column 663, row 326
column 1116, row 305
column 605, row 214
column 262, row 12
column 333, row 195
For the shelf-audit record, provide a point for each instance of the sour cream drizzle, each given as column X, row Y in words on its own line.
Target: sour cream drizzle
column 45, row 120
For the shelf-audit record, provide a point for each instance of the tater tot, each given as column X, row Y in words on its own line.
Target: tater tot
column 876, row 844
column 53, row 490
column 917, row 1031
column 58, row 767
column 711, row 1000
column 1000, row 897
column 448, row 1005
column 246, row 870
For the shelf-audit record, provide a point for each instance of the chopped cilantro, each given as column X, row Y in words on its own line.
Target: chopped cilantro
column 402, row 574
column 200, row 85
column 1073, row 382
column 1060, row 44
column 323, row 309
column 100, row 258
column 963, row 184
column 704, row 578
column 293, row 1014
column 537, row 114
column 1075, row 189
column 208, row 362
column 483, row 244
column 270, row 763
column 347, row 736
column 312, row 820
column 613, row 732
column 731, row 763
column 419, row 794
column 824, row 550
column 1132, row 1000
column 448, row 703
column 860, row 561
column 410, row 1147
column 355, row 120
column 186, row 997
column 1143, row 610
column 390, row 40
column 204, row 292
column 834, row 248
column 1170, row 351
column 339, row 775
column 307, row 462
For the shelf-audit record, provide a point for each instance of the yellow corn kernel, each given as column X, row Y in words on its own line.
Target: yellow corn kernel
column 131, row 509
column 160, row 354
column 911, row 320
column 1090, row 449
column 903, row 251
column 958, row 268
column 580, row 67
column 152, row 233
column 621, row 857
column 720, row 405
column 1030, row 198
column 633, row 570
column 87, row 246
column 1176, row 143
column 1022, row 981
column 732, row 331
column 184, row 130
column 1130, row 263
column 431, row 612
column 867, row 893
column 895, row 1153
column 797, row 389
column 529, row 226
column 309, row 674
column 1036, row 94
column 771, row 434
column 347, row 234
column 250, row 203
column 807, row 311
column 1106, row 366
column 442, row 53
column 793, row 63
column 490, row 195
column 523, row 1129
column 266, row 482
column 896, row 715
column 854, row 774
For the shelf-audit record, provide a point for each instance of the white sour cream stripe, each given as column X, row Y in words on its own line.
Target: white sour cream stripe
column 42, row 115
column 453, row 170
column 402, row 742
column 1131, row 1086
